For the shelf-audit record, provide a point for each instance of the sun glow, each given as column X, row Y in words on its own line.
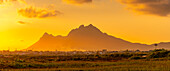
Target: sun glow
column 59, row 17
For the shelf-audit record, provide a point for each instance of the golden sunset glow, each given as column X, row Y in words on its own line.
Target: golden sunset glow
column 23, row 22
column 77, row 1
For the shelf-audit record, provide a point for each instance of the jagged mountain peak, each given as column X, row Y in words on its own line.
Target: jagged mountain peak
column 81, row 26
column 89, row 26
column 47, row 35
column 85, row 30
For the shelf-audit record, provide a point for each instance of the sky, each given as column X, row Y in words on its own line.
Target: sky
column 23, row 22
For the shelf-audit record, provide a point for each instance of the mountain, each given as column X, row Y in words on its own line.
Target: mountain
column 85, row 38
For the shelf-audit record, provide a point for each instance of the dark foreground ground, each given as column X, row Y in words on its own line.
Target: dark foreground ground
column 157, row 60
column 105, row 66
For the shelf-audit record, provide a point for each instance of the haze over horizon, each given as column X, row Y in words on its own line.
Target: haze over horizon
column 86, row 38
column 23, row 22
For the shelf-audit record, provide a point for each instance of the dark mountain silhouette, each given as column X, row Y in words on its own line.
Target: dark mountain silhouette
column 85, row 38
column 164, row 45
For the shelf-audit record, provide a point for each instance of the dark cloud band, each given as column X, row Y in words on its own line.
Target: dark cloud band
column 77, row 1
column 156, row 7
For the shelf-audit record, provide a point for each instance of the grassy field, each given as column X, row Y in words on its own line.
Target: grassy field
column 158, row 60
column 142, row 65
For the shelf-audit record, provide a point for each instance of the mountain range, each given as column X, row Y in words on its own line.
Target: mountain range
column 88, row 38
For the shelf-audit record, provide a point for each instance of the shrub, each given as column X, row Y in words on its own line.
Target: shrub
column 135, row 57
column 159, row 53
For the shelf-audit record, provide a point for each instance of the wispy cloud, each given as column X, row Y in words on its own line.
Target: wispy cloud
column 32, row 12
column 21, row 22
column 156, row 7
column 9, row 1
column 77, row 1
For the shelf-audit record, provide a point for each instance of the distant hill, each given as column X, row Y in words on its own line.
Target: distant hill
column 86, row 38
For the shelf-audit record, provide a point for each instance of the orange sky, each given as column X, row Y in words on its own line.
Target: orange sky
column 23, row 22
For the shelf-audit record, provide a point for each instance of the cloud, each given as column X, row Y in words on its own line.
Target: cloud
column 9, row 1
column 21, row 22
column 22, row 40
column 22, row 1
column 156, row 7
column 31, row 12
column 77, row 1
